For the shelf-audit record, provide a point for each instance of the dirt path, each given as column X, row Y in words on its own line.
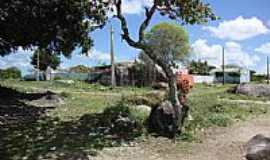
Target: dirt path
column 218, row 144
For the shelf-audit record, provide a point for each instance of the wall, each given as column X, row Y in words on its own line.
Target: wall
column 245, row 76
column 203, row 79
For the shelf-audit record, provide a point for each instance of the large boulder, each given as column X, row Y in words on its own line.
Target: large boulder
column 258, row 148
column 162, row 118
column 257, row 90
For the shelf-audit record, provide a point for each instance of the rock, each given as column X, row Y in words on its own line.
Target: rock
column 162, row 118
column 49, row 99
column 123, row 125
column 258, row 148
column 143, row 108
column 161, row 86
column 65, row 81
column 257, row 90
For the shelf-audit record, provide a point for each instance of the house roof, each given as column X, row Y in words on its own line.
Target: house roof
column 229, row 70
column 226, row 70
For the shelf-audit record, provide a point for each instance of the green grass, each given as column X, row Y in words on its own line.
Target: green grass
column 207, row 110
column 78, row 86
column 76, row 125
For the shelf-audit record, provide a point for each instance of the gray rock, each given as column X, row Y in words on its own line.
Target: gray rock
column 257, row 90
column 143, row 108
column 162, row 118
column 258, row 148
column 49, row 100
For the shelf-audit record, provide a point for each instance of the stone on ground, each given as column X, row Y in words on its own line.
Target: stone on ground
column 257, row 90
column 258, row 148
column 49, row 99
column 161, row 119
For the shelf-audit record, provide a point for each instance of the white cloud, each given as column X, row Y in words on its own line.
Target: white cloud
column 264, row 48
column 203, row 51
column 234, row 54
column 268, row 22
column 135, row 6
column 99, row 56
column 20, row 59
column 238, row 29
column 94, row 57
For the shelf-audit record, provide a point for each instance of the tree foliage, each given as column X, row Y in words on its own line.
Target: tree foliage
column 57, row 25
column 201, row 68
column 10, row 73
column 80, row 69
column 185, row 11
column 168, row 43
column 46, row 59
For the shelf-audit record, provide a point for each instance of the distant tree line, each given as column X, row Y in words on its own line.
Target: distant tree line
column 10, row 73
column 199, row 67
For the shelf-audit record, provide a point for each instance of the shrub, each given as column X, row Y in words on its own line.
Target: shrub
column 123, row 120
column 10, row 73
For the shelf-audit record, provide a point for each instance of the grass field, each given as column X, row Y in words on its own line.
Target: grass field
column 74, row 126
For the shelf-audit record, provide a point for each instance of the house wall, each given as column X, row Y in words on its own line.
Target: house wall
column 245, row 76
column 203, row 79
column 228, row 79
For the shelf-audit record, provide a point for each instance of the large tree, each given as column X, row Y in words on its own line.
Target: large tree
column 184, row 11
column 63, row 25
column 46, row 59
column 57, row 25
column 167, row 44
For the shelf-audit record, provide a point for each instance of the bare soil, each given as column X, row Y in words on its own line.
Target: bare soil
column 215, row 144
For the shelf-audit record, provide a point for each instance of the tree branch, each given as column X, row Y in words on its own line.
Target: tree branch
column 149, row 14
column 126, row 36
column 124, row 27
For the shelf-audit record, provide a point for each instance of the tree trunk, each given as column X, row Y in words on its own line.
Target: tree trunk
column 169, row 119
column 173, row 98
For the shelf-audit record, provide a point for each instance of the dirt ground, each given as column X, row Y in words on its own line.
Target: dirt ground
column 215, row 144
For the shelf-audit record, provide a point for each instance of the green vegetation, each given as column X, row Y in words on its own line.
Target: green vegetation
column 59, row 26
column 83, row 123
column 208, row 109
column 46, row 59
column 10, row 73
column 201, row 68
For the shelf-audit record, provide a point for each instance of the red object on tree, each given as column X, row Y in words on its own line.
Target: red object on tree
column 185, row 83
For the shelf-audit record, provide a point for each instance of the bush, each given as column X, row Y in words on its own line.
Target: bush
column 220, row 120
column 10, row 73
column 123, row 120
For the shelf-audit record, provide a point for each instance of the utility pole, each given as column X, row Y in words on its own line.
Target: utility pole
column 268, row 77
column 113, row 83
column 223, row 66
column 38, row 65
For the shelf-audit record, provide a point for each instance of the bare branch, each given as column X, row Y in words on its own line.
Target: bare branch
column 126, row 36
column 149, row 14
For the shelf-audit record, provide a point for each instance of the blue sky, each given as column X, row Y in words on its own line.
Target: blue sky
column 244, row 31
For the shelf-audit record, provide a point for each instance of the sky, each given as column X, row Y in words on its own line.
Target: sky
column 243, row 30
